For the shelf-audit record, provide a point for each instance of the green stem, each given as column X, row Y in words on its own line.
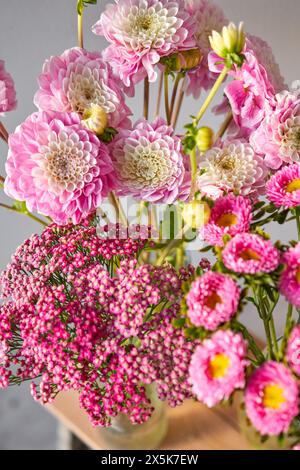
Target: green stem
column 264, row 316
column 159, row 93
column 166, row 90
column 274, row 337
column 287, row 329
column 251, row 342
column 179, row 76
column 28, row 214
column 175, row 113
column 224, row 126
column 146, row 98
column 193, row 160
column 80, row 30
column 120, row 214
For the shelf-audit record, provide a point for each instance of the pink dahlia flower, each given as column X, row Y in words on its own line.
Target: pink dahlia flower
column 57, row 166
column 250, row 254
column 212, row 300
column 278, row 136
column 140, row 32
column 290, row 278
column 271, row 399
column 218, row 367
column 229, row 216
column 293, row 350
column 77, row 80
column 208, row 17
column 149, row 163
column 283, row 189
column 231, row 167
column 8, row 100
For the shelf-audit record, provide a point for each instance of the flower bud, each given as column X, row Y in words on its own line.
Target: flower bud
column 184, row 60
column 195, row 214
column 95, row 119
column 204, row 138
column 230, row 41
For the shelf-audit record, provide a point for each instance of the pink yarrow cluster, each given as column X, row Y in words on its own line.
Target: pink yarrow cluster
column 8, row 100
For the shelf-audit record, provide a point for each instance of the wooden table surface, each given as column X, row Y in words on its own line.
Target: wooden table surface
column 191, row 426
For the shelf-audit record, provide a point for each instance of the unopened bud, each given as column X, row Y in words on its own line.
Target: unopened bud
column 182, row 61
column 196, row 214
column 95, row 119
column 205, row 139
column 230, row 42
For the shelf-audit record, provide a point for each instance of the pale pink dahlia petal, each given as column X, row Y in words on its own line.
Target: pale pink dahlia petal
column 58, row 167
column 229, row 216
column 283, row 189
column 218, row 367
column 250, row 254
column 293, row 350
column 140, row 32
column 290, row 278
column 149, row 163
column 8, row 100
column 212, row 300
column 271, row 399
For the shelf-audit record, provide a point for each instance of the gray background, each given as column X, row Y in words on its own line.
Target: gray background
column 31, row 31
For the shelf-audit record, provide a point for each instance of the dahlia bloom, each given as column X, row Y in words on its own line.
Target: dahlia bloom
column 278, row 136
column 57, row 166
column 290, row 278
column 283, row 188
column 271, row 399
column 208, row 17
column 218, row 367
column 140, row 32
column 250, row 254
column 293, row 350
column 232, row 167
column 229, row 216
column 77, row 80
column 8, row 100
column 212, row 300
column 149, row 163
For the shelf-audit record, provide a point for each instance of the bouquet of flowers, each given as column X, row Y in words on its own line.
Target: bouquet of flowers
column 106, row 300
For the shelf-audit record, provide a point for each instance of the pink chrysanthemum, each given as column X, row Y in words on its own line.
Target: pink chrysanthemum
column 77, row 80
column 271, row 399
column 278, row 136
column 8, row 100
column 148, row 162
column 293, row 350
column 140, row 32
column 229, row 216
column 57, row 166
column 212, row 300
column 250, row 254
column 290, row 278
column 283, row 189
column 208, row 17
column 218, row 367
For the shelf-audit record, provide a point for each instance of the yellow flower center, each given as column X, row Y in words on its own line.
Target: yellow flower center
column 213, row 300
column 293, row 186
column 298, row 275
column 249, row 254
column 218, row 366
column 227, row 220
column 273, row 397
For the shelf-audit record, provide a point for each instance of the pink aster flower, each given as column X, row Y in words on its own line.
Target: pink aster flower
column 290, row 278
column 218, row 367
column 140, row 32
column 77, row 80
column 57, row 166
column 148, row 162
column 250, row 254
column 293, row 350
column 283, row 189
column 229, row 216
column 8, row 100
column 278, row 136
column 212, row 300
column 271, row 399
column 231, row 167
column 208, row 17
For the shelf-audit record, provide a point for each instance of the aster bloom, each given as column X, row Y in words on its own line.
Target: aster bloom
column 293, row 350
column 278, row 136
column 8, row 100
column 229, row 216
column 208, row 17
column 283, row 188
column 290, row 278
column 271, row 399
column 232, row 167
column 250, row 254
column 58, row 167
column 212, row 300
column 218, row 367
column 140, row 32
column 148, row 162
column 77, row 81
